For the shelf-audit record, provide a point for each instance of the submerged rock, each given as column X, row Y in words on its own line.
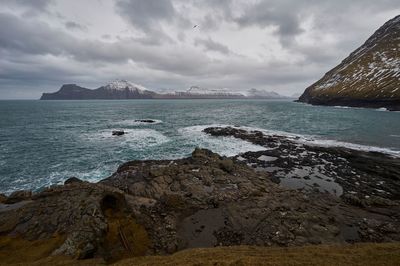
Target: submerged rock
column 118, row 132
column 145, row 121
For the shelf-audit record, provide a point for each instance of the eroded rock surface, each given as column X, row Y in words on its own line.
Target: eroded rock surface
column 368, row 176
column 205, row 200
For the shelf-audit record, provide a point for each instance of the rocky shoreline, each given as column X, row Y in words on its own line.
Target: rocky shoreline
column 388, row 104
column 338, row 170
column 206, row 200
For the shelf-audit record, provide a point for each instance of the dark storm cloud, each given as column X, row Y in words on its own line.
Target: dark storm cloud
column 268, row 13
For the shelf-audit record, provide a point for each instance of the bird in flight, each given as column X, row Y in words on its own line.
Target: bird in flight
column 195, row 26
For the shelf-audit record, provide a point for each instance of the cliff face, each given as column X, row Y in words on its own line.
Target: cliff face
column 69, row 92
column 122, row 89
column 114, row 90
column 368, row 77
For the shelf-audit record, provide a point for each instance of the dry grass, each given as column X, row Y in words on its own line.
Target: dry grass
column 18, row 250
column 359, row 254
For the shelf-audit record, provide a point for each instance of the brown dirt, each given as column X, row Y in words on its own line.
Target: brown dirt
column 349, row 255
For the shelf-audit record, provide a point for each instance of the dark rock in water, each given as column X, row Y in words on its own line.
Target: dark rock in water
column 145, row 121
column 72, row 180
column 118, row 132
column 18, row 196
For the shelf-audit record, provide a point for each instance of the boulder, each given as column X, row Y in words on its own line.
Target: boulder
column 18, row 196
column 3, row 198
column 72, row 180
column 145, row 121
column 118, row 132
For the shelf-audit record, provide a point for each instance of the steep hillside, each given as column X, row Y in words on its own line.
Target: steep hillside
column 69, row 92
column 368, row 77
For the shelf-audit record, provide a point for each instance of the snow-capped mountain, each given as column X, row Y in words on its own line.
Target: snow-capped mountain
column 196, row 90
column 368, row 77
column 122, row 89
column 258, row 93
column 118, row 89
column 121, row 85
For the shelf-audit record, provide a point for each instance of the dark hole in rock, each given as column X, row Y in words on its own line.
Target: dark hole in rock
column 111, row 203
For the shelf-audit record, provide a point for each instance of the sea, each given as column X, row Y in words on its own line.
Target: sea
column 42, row 143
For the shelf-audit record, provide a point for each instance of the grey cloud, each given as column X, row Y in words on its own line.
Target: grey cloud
column 266, row 14
column 148, row 14
column 41, row 52
column 71, row 25
column 212, row 45
column 28, row 7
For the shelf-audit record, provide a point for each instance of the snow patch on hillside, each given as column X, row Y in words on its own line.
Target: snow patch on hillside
column 120, row 85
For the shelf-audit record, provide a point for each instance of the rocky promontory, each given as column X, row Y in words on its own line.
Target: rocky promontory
column 205, row 200
column 368, row 77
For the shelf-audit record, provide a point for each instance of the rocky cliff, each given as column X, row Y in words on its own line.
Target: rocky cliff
column 122, row 89
column 119, row 89
column 368, row 77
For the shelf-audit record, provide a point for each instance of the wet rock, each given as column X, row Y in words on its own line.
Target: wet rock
column 3, row 198
column 72, row 180
column 18, row 196
column 353, row 200
column 163, row 206
column 145, row 121
column 227, row 165
column 118, row 132
column 337, row 170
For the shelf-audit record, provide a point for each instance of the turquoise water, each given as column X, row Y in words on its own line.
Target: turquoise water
column 45, row 142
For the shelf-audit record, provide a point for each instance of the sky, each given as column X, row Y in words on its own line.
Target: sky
column 281, row 46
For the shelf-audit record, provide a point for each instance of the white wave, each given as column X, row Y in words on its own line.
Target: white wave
column 228, row 146
column 314, row 140
column 342, row 107
column 58, row 177
column 135, row 122
column 353, row 146
column 383, row 109
column 134, row 138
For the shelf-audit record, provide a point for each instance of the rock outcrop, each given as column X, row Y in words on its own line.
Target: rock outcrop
column 369, row 77
column 205, row 200
column 122, row 89
column 119, row 89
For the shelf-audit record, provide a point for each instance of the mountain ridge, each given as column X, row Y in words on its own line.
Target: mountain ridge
column 122, row 89
column 368, row 77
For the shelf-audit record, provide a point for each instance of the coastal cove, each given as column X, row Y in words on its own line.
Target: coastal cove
column 43, row 143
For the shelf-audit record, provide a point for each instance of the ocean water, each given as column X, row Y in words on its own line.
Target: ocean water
column 45, row 142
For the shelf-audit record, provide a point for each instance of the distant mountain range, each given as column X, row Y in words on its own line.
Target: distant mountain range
column 368, row 77
column 122, row 89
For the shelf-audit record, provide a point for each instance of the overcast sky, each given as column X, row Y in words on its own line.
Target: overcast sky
column 274, row 45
